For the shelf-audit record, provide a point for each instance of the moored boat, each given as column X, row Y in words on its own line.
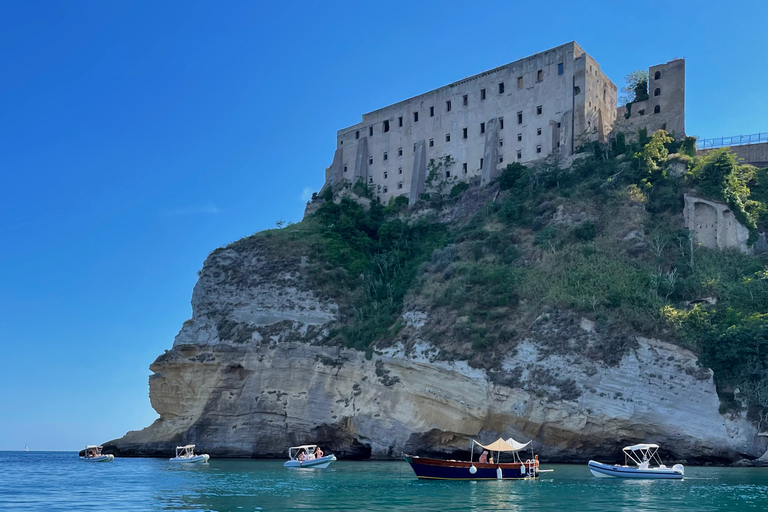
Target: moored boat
column 186, row 454
column 487, row 469
column 93, row 453
column 646, row 464
column 306, row 457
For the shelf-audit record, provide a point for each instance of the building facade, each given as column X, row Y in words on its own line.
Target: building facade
column 521, row 112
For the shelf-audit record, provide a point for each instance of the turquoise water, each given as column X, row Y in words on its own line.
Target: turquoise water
column 59, row 481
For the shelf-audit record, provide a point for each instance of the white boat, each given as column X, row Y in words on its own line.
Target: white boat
column 187, row 454
column 93, row 453
column 304, row 457
column 646, row 464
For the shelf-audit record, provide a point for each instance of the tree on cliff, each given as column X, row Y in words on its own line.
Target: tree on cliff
column 636, row 88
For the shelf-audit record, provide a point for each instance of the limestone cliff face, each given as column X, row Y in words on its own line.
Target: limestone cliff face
column 248, row 375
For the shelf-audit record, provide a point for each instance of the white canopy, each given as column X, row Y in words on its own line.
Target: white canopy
column 642, row 446
column 185, row 447
column 500, row 445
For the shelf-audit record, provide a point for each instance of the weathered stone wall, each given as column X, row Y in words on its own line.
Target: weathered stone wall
column 714, row 224
column 562, row 95
column 666, row 94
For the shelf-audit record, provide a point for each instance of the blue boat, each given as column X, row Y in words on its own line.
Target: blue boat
column 516, row 469
column 642, row 456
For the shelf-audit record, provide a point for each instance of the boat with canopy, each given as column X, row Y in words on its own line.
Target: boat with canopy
column 92, row 453
column 304, row 457
column 187, row 455
column 645, row 463
column 492, row 469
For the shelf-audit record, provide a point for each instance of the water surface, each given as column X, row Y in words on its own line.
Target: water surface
column 57, row 481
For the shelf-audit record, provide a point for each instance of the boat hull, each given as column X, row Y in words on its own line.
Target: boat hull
column 605, row 470
column 437, row 469
column 197, row 459
column 321, row 463
column 100, row 458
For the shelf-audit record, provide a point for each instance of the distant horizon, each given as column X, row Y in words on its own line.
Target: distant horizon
column 139, row 137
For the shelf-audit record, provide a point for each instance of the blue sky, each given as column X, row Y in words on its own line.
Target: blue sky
column 136, row 137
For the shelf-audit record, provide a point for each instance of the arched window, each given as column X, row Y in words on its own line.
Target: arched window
column 656, row 109
column 657, row 75
column 657, row 92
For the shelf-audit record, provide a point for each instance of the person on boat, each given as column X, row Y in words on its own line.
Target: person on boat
column 318, row 452
column 490, row 459
column 302, row 456
column 483, row 457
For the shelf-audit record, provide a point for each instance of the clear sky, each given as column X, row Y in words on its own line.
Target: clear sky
column 136, row 137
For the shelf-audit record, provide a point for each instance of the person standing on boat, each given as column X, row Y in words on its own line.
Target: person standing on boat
column 318, row 452
column 483, row 457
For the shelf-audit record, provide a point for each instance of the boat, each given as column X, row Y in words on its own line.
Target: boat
column 645, row 461
column 26, row 448
column 93, row 453
column 309, row 460
column 516, row 469
column 187, row 455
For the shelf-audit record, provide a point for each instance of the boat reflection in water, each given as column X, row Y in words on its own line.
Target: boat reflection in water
column 515, row 469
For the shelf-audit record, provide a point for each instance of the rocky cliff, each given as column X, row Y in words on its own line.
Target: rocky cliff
column 249, row 375
column 570, row 307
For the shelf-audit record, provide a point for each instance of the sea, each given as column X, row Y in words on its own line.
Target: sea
column 54, row 481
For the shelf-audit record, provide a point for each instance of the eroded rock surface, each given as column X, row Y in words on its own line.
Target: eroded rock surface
column 249, row 376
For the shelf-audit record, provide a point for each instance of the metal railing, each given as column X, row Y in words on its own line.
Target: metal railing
column 736, row 140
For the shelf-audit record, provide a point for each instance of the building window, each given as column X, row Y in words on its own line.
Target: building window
column 560, row 68
column 464, row 132
column 538, row 110
column 538, row 148
column 501, row 142
column 385, row 189
column 341, row 143
column 399, row 151
column 657, row 92
column 370, row 131
column 414, row 147
column 385, row 175
column 481, row 163
column 657, row 75
column 448, row 106
column 370, row 180
column 519, row 118
column 539, row 75
column 501, row 88
column 447, row 137
column 400, row 121
column 641, row 112
column 399, row 170
column 558, row 125
column 431, row 143
column 400, row 185
column 370, row 160
column 482, row 94
column 385, row 156
column 538, row 131
column 519, row 82
column 415, row 117
column 431, row 111
column 501, row 123
column 603, row 94
column 345, row 168
column 465, row 100
column 519, row 137
column 657, row 109
column 386, row 126
column 519, row 154
column 501, row 159
column 447, row 174
column 482, row 128
column 357, row 134
column 464, row 167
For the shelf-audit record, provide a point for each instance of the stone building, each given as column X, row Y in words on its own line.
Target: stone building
column 714, row 223
column 665, row 106
column 520, row 112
